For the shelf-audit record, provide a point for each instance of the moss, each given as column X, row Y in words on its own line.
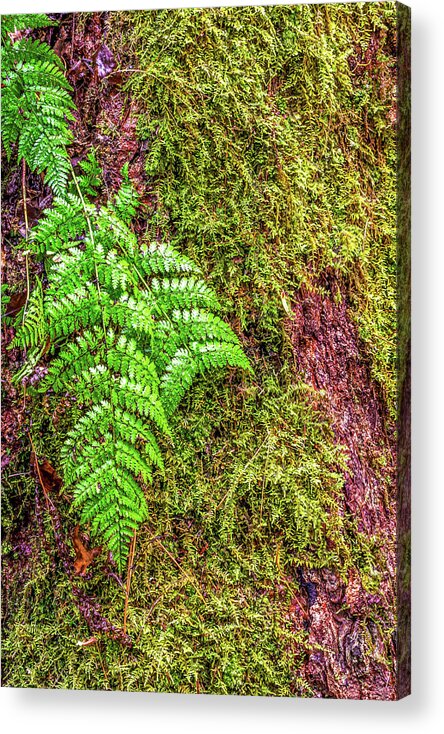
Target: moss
column 270, row 159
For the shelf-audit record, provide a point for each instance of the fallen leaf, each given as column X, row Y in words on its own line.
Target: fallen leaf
column 49, row 479
column 16, row 302
column 116, row 79
column 84, row 556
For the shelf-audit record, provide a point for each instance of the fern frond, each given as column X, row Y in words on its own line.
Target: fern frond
column 182, row 293
column 81, row 309
column 36, row 104
column 13, row 23
column 125, row 202
column 90, row 179
column 31, row 331
column 43, row 146
column 162, row 259
column 63, row 223
column 32, row 52
column 113, row 502
column 196, row 358
column 87, row 351
column 130, row 328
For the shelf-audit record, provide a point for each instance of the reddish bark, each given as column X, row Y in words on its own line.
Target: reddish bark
column 354, row 661
column 105, row 118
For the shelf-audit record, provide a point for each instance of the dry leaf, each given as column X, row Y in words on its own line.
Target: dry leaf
column 16, row 303
column 84, row 556
column 48, row 476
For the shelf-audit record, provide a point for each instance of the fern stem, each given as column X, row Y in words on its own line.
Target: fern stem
column 25, row 208
column 39, row 474
column 129, row 575
column 25, row 213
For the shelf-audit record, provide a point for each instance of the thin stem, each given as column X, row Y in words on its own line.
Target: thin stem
column 25, row 213
column 39, row 474
column 24, row 197
column 181, row 569
column 129, row 574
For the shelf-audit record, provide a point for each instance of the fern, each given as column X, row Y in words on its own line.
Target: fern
column 130, row 327
column 36, row 102
column 13, row 23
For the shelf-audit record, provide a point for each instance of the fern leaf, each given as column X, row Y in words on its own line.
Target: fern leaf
column 31, row 330
column 12, row 23
column 130, row 328
column 36, row 104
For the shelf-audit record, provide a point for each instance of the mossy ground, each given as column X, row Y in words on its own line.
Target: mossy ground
column 271, row 153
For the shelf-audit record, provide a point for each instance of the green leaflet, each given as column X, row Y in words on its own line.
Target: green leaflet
column 130, row 327
column 36, row 102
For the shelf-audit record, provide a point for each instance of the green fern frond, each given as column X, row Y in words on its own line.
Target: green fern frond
column 61, row 224
column 30, row 324
column 90, row 179
column 125, row 203
column 130, row 328
column 182, row 293
column 162, row 259
column 36, row 104
column 33, row 53
column 81, row 309
column 20, row 22
column 114, row 503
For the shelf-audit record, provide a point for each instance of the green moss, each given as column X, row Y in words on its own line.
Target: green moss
column 248, row 498
column 270, row 160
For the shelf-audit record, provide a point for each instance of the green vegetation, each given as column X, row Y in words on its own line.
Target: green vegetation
column 271, row 155
column 36, row 101
column 131, row 328
column 271, row 162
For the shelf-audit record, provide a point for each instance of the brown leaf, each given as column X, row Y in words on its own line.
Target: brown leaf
column 116, row 79
column 16, row 302
column 49, row 479
column 84, row 556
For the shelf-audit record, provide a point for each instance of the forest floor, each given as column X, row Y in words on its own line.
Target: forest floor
column 263, row 144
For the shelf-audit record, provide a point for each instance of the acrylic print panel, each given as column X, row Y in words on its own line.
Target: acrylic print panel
column 206, row 350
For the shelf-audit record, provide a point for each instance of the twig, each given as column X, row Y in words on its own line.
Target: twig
column 128, row 579
column 37, row 467
column 25, row 213
column 182, row 570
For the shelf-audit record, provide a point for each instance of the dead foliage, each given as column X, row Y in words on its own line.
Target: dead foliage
column 84, row 555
